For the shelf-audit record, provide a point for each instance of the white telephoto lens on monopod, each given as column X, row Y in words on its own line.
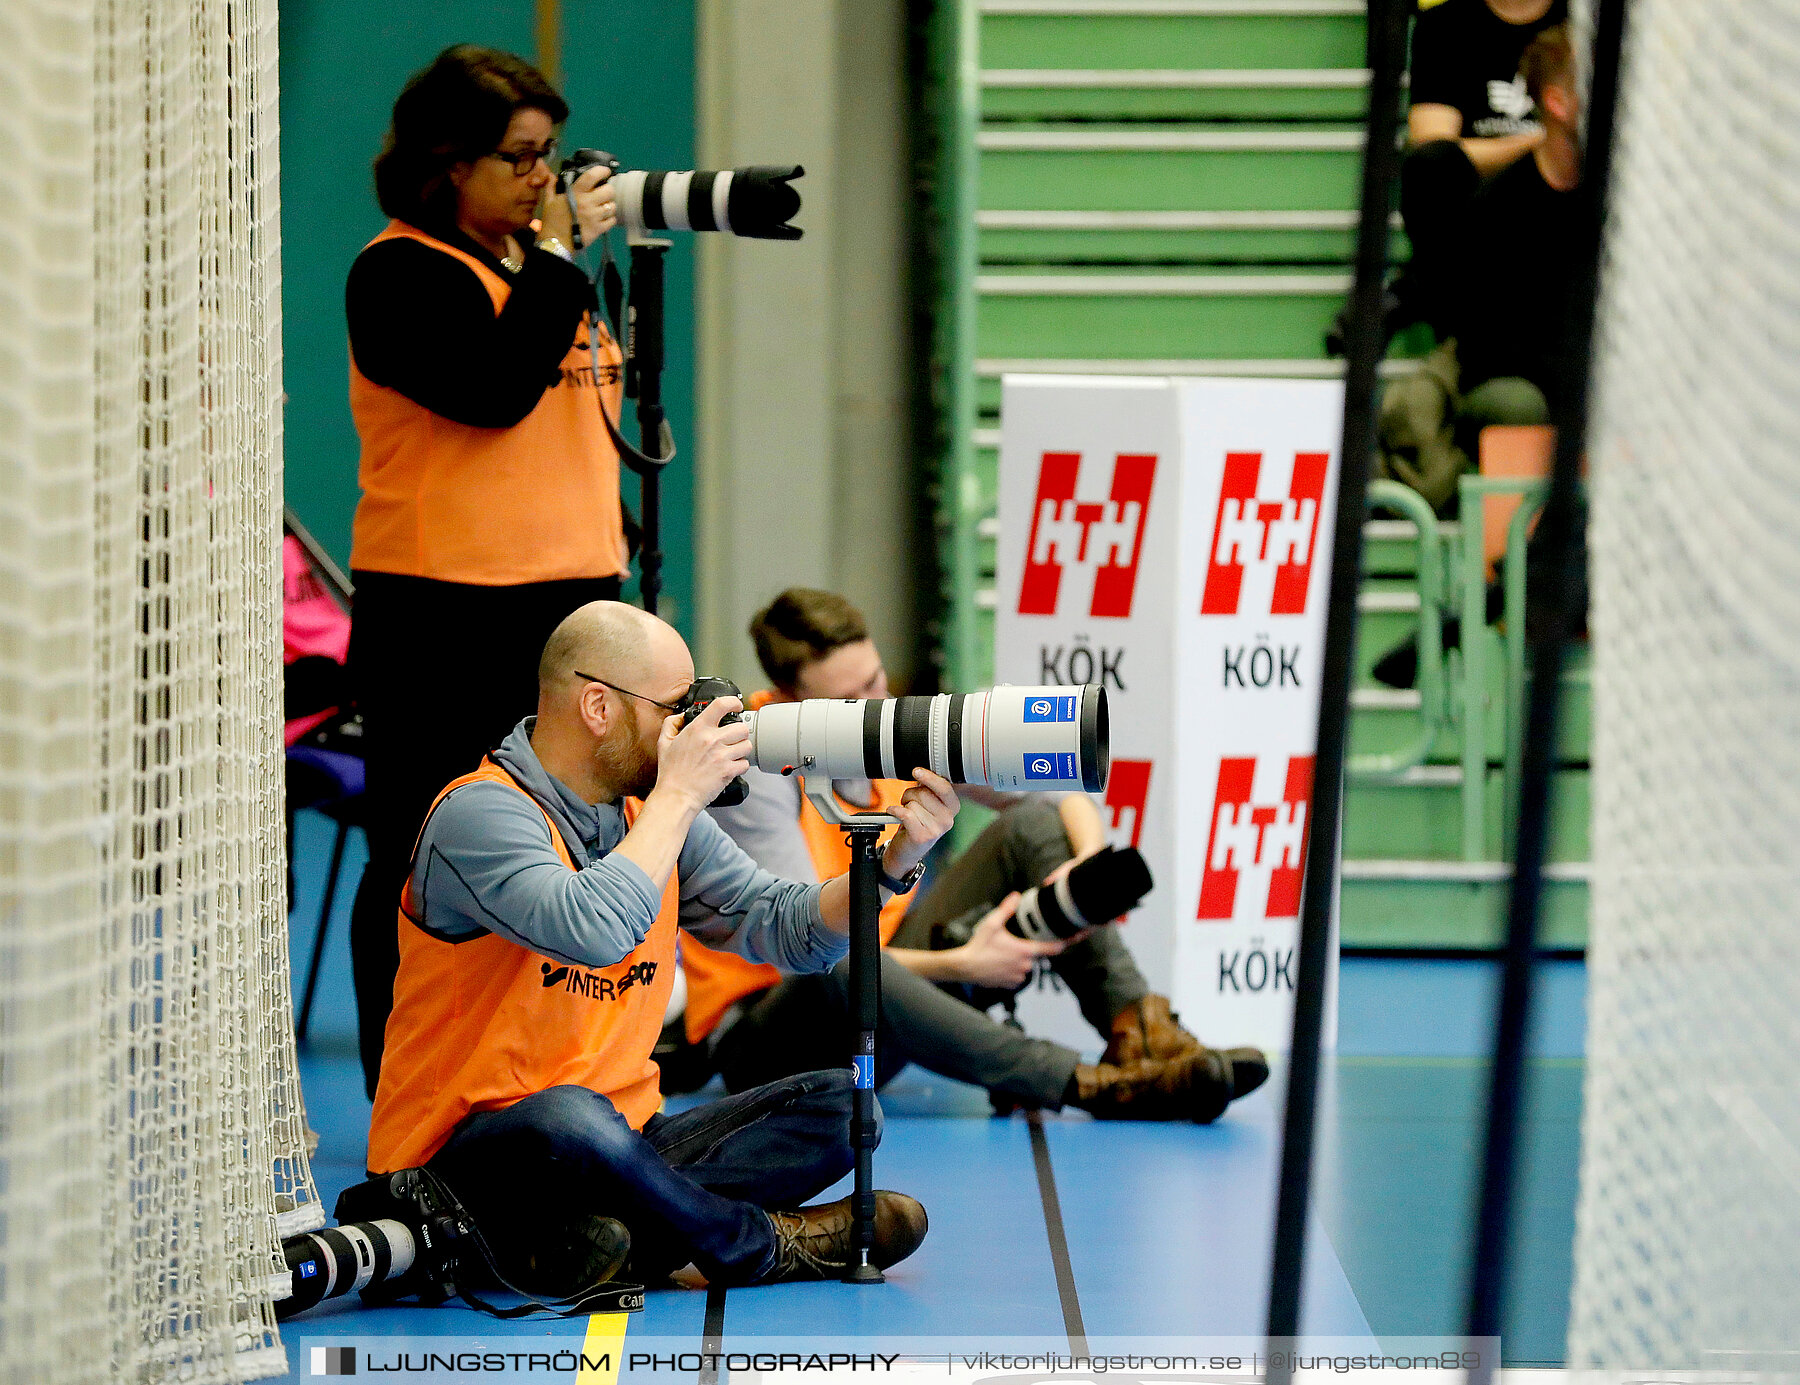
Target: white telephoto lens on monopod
column 758, row 201
column 1008, row 738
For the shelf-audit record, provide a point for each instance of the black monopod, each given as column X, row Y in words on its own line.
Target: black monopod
column 1015, row 739
column 756, row 202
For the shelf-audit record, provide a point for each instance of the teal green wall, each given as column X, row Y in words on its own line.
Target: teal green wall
column 628, row 74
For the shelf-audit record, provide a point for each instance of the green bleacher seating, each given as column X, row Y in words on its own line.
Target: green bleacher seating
column 1170, row 186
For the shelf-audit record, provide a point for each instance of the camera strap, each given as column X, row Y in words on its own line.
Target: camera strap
column 608, row 293
column 610, row 1297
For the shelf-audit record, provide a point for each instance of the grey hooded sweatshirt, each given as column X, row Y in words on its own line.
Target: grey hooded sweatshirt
column 486, row 864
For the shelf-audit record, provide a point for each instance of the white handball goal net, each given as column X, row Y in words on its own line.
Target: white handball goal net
column 1688, row 1229
column 151, row 1133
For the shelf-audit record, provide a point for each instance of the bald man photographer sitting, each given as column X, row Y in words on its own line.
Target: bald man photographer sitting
column 537, row 937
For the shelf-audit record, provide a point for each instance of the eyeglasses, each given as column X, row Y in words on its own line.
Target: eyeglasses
column 523, row 162
column 672, row 708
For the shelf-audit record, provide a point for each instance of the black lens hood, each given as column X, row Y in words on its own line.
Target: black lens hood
column 763, row 200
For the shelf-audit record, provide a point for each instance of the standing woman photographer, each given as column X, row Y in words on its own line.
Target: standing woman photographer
column 490, row 491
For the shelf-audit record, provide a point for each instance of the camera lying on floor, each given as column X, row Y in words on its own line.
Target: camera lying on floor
column 406, row 1235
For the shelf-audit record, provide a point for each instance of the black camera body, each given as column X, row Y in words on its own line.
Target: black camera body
column 701, row 692
column 440, row 1228
column 579, row 162
column 401, row 1235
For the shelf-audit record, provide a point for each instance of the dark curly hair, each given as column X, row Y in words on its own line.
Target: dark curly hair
column 456, row 109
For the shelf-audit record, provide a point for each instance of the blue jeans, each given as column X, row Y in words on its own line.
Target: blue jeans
column 689, row 1187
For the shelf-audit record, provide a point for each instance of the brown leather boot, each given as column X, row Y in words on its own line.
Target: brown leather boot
column 1193, row 1088
column 814, row 1242
column 1249, row 1069
column 1149, row 1029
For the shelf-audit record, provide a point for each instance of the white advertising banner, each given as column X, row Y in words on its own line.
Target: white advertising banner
column 1170, row 540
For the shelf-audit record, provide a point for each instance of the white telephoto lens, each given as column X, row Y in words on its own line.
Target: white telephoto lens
column 628, row 200
column 1016, row 739
column 1033, row 739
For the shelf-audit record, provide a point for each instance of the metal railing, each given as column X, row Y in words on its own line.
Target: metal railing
column 1453, row 685
column 1435, row 713
column 1473, row 492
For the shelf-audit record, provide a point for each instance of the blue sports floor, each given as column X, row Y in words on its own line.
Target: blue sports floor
column 1166, row 1227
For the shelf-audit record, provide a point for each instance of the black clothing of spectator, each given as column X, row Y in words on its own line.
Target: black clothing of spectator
column 423, row 324
column 408, row 632
column 1516, row 271
column 1466, row 56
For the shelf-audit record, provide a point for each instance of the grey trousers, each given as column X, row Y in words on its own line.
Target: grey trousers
column 802, row 1024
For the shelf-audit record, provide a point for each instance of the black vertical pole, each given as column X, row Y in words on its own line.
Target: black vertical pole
column 645, row 353
column 1558, row 537
column 1364, row 345
column 865, row 1002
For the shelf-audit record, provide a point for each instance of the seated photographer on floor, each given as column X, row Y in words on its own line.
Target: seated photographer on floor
column 537, row 955
column 951, row 955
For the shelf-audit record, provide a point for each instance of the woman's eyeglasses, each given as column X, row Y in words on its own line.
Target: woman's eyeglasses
column 524, row 161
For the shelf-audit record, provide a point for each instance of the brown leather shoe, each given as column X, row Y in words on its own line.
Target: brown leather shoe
column 814, row 1242
column 1249, row 1069
column 1147, row 1029
column 1195, row 1087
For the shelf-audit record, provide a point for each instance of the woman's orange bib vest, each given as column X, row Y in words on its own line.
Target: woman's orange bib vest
column 537, row 502
column 718, row 980
column 480, row 1024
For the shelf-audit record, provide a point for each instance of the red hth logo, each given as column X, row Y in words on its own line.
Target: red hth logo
column 1127, row 791
column 1105, row 537
column 1251, row 531
column 1252, row 836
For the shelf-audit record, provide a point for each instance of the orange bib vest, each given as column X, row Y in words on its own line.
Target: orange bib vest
column 482, row 1023
column 718, row 980
column 537, row 502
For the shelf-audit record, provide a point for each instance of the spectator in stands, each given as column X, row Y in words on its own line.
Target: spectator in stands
column 537, row 937
column 1472, row 115
column 1517, row 267
column 490, row 492
column 1512, row 274
column 1516, row 282
column 935, row 987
